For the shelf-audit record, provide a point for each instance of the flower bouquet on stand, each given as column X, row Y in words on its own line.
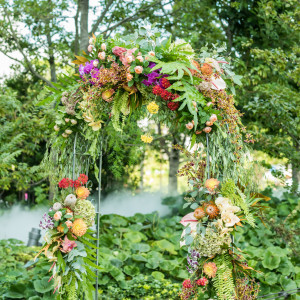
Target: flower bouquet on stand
column 69, row 242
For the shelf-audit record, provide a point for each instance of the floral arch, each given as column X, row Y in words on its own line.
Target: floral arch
column 191, row 92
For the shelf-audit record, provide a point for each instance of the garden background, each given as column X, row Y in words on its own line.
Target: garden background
column 38, row 41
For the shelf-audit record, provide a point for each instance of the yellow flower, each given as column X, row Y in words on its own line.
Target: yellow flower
column 211, row 184
column 79, row 227
column 82, row 192
column 96, row 125
column 210, row 269
column 152, row 108
column 147, row 138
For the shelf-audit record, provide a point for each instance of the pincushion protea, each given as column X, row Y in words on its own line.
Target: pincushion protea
column 212, row 210
column 199, row 213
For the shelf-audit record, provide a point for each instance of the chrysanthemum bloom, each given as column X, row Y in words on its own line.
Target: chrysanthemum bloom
column 202, row 281
column 69, row 224
column 57, row 216
column 189, row 125
column 207, row 129
column 213, row 118
column 79, row 227
column 101, row 55
column 210, row 269
column 74, row 122
column 68, row 131
column 147, row 138
column 82, row 192
column 129, row 76
column 140, row 58
column 187, row 284
column 138, row 69
column 103, row 47
column 211, row 184
column 106, row 95
column 152, row 108
column 90, row 48
column 56, row 128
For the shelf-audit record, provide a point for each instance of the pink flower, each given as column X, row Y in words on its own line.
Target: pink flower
column 90, row 48
column 202, row 281
column 188, row 220
column 103, row 47
column 101, row 55
column 129, row 76
column 213, row 118
column 209, row 104
column 209, row 123
column 138, row 69
column 118, row 50
column 152, row 53
column 67, row 245
column 91, row 41
column 69, row 224
column 187, row 284
column 207, row 129
column 140, row 58
column 189, row 125
column 129, row 59
column 57, row 216
column 95, row 63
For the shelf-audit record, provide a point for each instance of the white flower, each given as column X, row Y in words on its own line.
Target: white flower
column 65, row 135
column 67, row 120
column 91, row 41
column 56, row 128
column 103, row 47
column 218, row 84
column 68, row 131
column 101, row 55
column 90, row 48
column 232, row 209
column 95, row 63
column 230, row 219
column 70, row 200
column 57, row 206
column 74, row 122
column 223, row 203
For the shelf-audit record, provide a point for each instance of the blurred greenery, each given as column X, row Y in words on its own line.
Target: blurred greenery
column 141, row 258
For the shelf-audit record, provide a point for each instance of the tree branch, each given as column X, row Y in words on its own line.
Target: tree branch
column 29, row 65
column 100, row 19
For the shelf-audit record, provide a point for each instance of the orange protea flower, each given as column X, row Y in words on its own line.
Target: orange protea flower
column 212, row 210
column 197, row 65
column 82, row 192
column 199, row 213
column 79, row 227
column 210, row 269
column 206, row 69
column 211, row 184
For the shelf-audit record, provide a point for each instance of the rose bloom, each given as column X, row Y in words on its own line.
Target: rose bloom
column 209, row 123
column 223, row 203
column 129, row 59
column 189, row 125
column 57, row 216
column 230, row 219
column 207, row 129
column 90, row 48
column 129, row 76
column 140, row 58
column 101, row 55
column 213, row 118
column 103, row 47
column 152, row 53
column 138, row 69
column 69, row 224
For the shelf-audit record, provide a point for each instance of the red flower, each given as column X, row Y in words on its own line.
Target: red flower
column 165, row 83
column 187, row 284
column 83, row 178
column 202, row 281
column 65, row 183
column 173, row 105
column 76, row 183
column 166, row 95
column 175, row 96
column 157, row 90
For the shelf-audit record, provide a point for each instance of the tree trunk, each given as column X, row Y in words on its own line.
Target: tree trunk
column 84, row 16
column 173, row 168
column 76, row 41
column 51, row 58
column 295, row 172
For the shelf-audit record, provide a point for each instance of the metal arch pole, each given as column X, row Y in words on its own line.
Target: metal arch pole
column 207, row 156
column 74, row 156
column 98, row 218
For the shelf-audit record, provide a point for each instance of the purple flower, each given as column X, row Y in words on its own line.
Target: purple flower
column 151, row 64
column 48, row 222
column 88, row 67
column 81, row 70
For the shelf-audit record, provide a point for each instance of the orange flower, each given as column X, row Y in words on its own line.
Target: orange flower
column 82, row 192
column 211, row 184
column 206, row 69
column 210, row 269
column 60, row 228
column 79, row 227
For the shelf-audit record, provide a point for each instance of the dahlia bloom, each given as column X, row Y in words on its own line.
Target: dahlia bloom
column 67, row 245
column 211, row 184
column 202, row 281
column 79, row 227
column 82, row 192
column 210, row 269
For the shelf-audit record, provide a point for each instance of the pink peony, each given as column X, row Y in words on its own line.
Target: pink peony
column 101, row 55
column 207, row 129
column 129, row 76
column 90, row 48
column 213, row 118
column 57, row 216
column 138, row 69
column 67, row 245
column 189, row 125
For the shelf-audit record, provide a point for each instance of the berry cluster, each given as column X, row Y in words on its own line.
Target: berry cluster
column 67, row 182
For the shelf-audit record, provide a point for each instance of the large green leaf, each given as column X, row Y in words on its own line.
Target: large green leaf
column 271, row 261
column 43, row 286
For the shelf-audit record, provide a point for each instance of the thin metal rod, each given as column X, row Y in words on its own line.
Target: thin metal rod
column 74, row 156
column 207, row 156
column 98, row 218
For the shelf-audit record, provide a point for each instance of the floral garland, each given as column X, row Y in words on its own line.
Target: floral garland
column 67, row 244
column 192, row 93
